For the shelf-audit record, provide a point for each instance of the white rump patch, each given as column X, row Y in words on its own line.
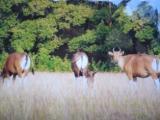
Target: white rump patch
column 156, row 65
column 25, row 62
column 82, row 62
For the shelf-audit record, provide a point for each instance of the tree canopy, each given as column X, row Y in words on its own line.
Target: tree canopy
column 52, row 31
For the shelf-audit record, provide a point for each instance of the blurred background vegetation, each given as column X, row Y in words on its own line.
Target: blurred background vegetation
column 52, row 31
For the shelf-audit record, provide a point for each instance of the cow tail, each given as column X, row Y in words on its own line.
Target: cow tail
column 81, row 65
column 32, row 69
column 157, row 64
column 26, row 60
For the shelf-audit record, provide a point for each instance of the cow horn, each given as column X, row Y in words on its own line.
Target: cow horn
column 113, row 49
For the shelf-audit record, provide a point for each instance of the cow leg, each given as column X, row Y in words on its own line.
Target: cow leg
column 77, row 80
column 19, row 71
column 14, row 78
column 84, row 85
column 1, row 81
column 91, row 87
column 132, row 81
column 133, row 84
column 85, row 81
column 3, row 75
column 90, row 83
column 76, row 74
column 157, row 84
column 25, row 72
column 155, row 78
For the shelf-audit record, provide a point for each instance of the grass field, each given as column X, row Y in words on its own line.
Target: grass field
column 53, row 96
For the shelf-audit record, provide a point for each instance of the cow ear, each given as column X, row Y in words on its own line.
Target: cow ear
column 110, row 53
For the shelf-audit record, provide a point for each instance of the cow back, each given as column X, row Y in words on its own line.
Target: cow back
column 14, row 61
column 138, row 64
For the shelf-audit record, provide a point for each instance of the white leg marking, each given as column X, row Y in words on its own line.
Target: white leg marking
column 133, row 84
column 85, row 85
column 77, row 83
column 157, row 84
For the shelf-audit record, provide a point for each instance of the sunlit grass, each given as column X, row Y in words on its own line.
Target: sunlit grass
column 52, row 96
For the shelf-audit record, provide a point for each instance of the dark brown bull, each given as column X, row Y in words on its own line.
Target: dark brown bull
column 80, row 67
column 138, row 65
column 16, row 64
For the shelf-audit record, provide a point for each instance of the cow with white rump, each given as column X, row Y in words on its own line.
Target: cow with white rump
column 138, row 65
column 16, row 64
column 79, row 66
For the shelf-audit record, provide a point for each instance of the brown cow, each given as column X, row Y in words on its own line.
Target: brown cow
column 16, row 64
column 80, row 67
column 138, row 65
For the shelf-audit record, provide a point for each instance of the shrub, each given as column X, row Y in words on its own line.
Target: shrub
column 3, row 57
column 103, row 66
column 47, row 63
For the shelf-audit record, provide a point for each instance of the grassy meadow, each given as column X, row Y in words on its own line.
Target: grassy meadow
column 53, row 96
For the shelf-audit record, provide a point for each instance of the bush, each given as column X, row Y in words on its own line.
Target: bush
column 48, row 63
column 104, row 66
column 61, row 64
column 3, row 57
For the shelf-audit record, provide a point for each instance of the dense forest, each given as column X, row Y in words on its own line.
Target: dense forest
column 52, row 31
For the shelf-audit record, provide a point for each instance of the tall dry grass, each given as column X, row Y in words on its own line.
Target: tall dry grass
column 53, row 96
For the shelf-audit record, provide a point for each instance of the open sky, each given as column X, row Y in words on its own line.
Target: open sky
column 131, row 6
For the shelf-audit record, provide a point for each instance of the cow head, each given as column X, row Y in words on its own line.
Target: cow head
column 116, row 55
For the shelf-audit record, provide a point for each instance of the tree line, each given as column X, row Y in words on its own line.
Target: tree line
column 52, row 31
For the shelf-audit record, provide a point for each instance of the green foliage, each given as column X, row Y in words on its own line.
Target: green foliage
column 103, row 66
column 61, row 64
column 71, row 15
column 3, row 57
column 103, row 14
column 145, row 33
column 5, row 6
column 86, row 41
column 155, row 48
column 45, row 62
column 139, row 26
column 23, row 37
column 37, row 6
column 101, row 32
column 49, row 31
column 25, row 34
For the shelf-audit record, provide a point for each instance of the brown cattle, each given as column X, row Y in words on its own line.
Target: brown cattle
column 80, row 66
column 138, row 65
column 16, row 64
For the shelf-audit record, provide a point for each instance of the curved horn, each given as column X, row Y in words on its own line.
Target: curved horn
column 113, row 49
